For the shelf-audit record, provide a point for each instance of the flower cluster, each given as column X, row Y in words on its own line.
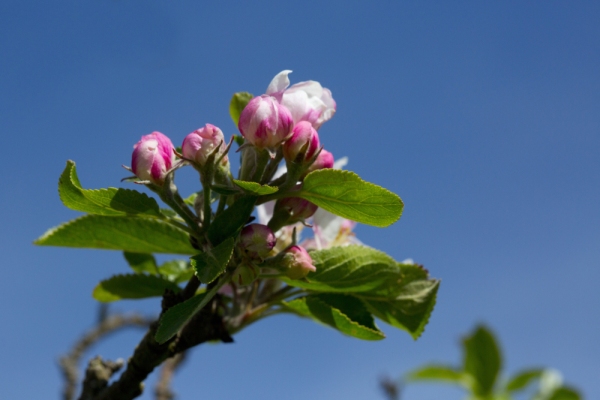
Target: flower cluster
column 280, row 124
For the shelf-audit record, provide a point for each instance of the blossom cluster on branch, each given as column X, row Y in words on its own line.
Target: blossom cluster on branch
column 241, row 235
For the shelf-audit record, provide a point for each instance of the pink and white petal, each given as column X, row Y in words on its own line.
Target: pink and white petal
column 279, row 83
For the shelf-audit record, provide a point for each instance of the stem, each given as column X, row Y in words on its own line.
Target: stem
column 263, row 158
column 272, row 167
column 222, row 204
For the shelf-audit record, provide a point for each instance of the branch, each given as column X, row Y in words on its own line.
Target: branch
column 162, row 390
column 107, row 325
column 205, row 326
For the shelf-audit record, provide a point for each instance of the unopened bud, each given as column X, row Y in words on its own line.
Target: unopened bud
column 257, row 240
column 303, row 143
column 152, row 157
column 297, row 208
column 198, row 145
column 265, row 123
column 298, row 263
column 324, row 160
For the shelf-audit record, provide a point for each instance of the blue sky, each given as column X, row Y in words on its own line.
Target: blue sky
column 482, row 116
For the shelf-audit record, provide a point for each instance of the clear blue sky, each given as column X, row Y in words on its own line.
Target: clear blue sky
column 483, row 116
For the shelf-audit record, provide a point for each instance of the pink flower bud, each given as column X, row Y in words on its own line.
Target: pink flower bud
column 303, row 135
column 257, row 240
column 152, row 157
column 265, row 123
column 324, row 160
column 298, row 262
column 200, row 143
column 297, row 208
column 307, row 101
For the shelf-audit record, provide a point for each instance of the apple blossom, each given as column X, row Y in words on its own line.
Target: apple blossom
column 257, row 240
column 265, row 123
column 198, row 145
column 307, row 101
column 303, row 143
column 324, row 160
column 152, row 157
column 298, row 263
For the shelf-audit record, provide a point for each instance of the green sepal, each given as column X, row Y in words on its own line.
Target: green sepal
column 345, row 313
column 132, row 286
column 110, row 201
column 482, row 360
column 210, row 265
column 229, row 222
column 345, row 194
column 255, row 188
column 137, row 235
column 236, row 105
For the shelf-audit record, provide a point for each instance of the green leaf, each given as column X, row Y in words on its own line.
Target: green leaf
column 141, row 262
column 132, row 286
column 176, row 317
column 410, row 309
column 230, row 221
column 523, row 379
column 210, row 265
column 482, row 360
column 349, row 269
column 191, row 199
column 343, row 193
column 237, row 104
column 255, row 188
column 111, row 201
column 345, row 313
column 137, row 235
column 176, row 270
column 565, row 393
column 439, row 373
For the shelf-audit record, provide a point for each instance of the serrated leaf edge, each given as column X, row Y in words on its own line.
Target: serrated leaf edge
column 376, row 332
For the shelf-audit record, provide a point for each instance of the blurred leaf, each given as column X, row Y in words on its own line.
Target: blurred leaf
column 141, row 262
column 230, row 221
column 565, row 393
column 237, row 104
column 523, row 379
column 191, row 199
column 482, row 360
column 210, row 265
column 132, row 286
column 438, row 373
column 343, row 193
column 136, row 235
column 111, row 201
column 255, row 188
column 345, row 313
